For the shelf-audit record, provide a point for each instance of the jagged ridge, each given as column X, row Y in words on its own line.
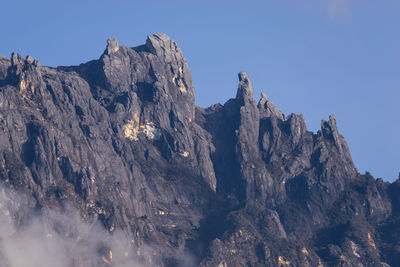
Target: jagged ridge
column 237, row 184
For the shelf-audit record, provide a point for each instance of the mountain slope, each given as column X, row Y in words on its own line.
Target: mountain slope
column 121, row 141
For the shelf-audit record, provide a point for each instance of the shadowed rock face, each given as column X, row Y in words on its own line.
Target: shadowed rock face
column 121, row 140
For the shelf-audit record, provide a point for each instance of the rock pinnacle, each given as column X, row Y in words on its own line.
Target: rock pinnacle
column 112, row 45
column 245, row 89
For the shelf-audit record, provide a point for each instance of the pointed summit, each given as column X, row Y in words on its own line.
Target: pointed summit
column 245, row 89
column 268, row 109
column 161, row 45
column 330, row 130
column 263, row 99
column 112, row 45
column 329, row 127
column 157, row 41
column 16, row 59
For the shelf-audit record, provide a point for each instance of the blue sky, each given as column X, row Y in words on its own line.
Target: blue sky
column 313, row 57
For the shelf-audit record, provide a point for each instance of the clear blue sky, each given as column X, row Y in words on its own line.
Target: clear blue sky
column 309, row 56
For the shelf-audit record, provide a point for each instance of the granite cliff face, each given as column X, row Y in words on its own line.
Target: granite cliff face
column 120, row 141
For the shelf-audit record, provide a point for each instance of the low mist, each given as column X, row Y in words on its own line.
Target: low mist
column 58, row 239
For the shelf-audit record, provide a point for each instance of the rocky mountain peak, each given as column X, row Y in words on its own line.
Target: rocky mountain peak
column 120, row 139
column 112, row 45
column 154, row 79
column 330, row 130
column 245, row 91
column 25, row 73
column 268, row 109
column 17, row 59
column 161, row 45
column 263, row 99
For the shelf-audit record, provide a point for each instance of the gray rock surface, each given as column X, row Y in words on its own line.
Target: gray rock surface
column 121, row 141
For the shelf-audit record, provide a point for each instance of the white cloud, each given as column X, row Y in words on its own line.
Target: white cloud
column 58, row 239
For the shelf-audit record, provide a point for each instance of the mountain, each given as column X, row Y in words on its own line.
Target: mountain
column 120, row 168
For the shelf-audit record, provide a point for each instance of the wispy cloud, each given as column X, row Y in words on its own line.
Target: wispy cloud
column 60, row 239
column 57, row 238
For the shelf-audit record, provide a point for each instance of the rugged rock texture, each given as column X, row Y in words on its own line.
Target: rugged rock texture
column 121, row 140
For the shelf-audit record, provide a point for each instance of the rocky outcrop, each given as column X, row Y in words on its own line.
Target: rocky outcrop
column 120, row 140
